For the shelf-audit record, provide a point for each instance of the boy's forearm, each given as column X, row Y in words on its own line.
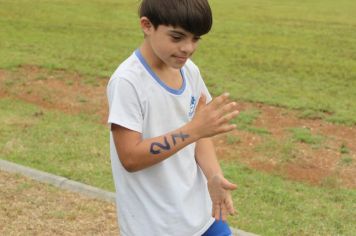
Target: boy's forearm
column 154, row 150
column 209, row 120
column 206, row 158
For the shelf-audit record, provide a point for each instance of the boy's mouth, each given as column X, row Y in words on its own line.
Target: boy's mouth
column 181, row 58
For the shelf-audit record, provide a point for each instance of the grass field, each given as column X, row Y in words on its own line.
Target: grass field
column 64, row 145
column 299, row 55
column 29, row 207
column 76, row 147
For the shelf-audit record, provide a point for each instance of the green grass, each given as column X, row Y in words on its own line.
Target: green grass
column 76, row 146
column 304, row 135
column 245, row 119
column 71, row 146
column 346, row 160
column 89, row 37
column 312, row 114
column 344, row 149
column 233, row 139
column 295, row 54
column 298, row 55
column 269, row 205
column 279, row 151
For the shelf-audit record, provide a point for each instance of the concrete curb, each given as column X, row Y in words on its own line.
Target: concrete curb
column 73, row 186
column 58, row 181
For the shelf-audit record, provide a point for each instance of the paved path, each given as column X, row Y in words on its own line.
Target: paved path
column 71, row 185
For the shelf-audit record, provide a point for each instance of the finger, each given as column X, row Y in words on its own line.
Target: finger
column 223, row 212
column 230, row 206
column 227, row 108
column 217, row 211
column 214, row 210
column 228, row 117
column 226, row 128
column 228, row 185
column 218, row 101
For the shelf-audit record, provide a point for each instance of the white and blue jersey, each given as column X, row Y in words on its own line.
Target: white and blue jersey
column 169, row 198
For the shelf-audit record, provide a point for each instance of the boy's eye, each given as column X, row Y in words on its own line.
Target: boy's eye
column 176, row 38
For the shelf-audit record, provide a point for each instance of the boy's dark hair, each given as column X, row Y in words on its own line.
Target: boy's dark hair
column 193, row 16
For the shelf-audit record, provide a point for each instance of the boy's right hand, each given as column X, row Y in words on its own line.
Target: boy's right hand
column 213, row 118
column 219, row 190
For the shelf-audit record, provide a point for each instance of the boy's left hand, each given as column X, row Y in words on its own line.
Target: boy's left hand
column 219, row 189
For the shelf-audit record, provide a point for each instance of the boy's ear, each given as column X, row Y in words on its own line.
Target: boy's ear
column 146, row 25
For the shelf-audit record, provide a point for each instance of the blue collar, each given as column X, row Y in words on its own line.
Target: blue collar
column 148, row 68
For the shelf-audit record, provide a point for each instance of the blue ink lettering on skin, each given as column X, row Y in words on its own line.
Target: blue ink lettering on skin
column 164, row 146
column 192, row 106
column 181, row 135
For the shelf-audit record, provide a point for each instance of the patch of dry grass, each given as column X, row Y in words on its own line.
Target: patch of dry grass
column 31, row 208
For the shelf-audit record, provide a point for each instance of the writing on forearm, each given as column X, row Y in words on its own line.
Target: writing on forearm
column 160, row 146
column 157, row 147
column 180, row 135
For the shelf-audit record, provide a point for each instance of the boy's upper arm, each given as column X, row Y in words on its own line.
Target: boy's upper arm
column 124, row 139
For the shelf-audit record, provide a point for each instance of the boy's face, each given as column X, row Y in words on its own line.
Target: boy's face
column 171, row 45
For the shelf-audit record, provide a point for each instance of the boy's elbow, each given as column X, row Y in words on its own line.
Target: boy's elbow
column 130, row 168
column 129, row 165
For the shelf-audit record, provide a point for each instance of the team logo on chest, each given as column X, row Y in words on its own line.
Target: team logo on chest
column 192, row 105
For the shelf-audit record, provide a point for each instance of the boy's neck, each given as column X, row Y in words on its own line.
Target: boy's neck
column 169, row 75
column 153, row 61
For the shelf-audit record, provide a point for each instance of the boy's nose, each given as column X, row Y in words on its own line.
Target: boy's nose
column 188, row 47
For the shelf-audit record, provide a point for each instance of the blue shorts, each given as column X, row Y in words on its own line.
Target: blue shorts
column 218, row 228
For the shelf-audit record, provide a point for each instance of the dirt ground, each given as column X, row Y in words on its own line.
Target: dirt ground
column 331, row 163
column 28, row 207
column 32, row 208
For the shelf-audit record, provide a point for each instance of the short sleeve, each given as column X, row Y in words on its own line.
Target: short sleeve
column 124, row 104
column 204, row 89
column 206, row 92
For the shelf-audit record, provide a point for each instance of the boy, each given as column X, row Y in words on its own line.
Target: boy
column 167, row 178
